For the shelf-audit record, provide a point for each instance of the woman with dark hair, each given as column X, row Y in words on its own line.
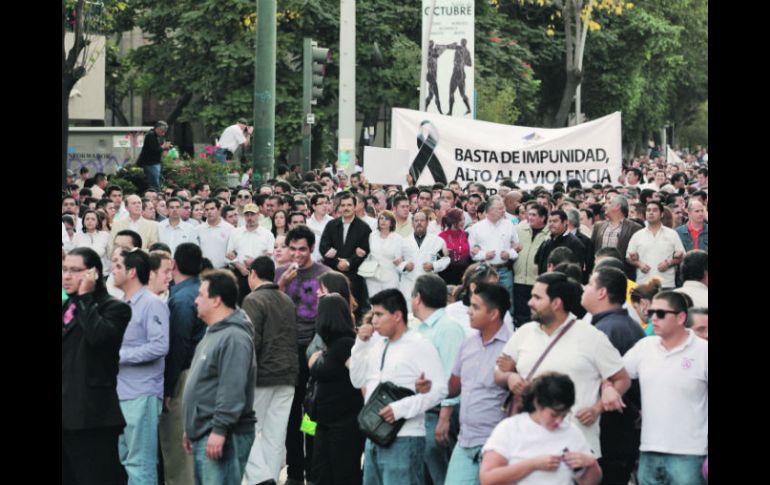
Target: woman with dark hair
column 475, row 274
column 93, row 324
column 540, row 444
column 68, row 234
column 332, row 282
column 280, row 221
column 338, row 441
column 457, row 245
column 93, row 236
column 641, row 297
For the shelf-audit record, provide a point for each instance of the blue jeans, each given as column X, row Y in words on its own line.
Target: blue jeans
column 464, row 466
column 138, row 444
column 152, row 172
column 436, row 455
column 506, row 281
column 228, row 470
column 668, row 469
column 401, row 463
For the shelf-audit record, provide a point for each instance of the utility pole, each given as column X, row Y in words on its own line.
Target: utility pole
column 346, row 147
column 263, row 139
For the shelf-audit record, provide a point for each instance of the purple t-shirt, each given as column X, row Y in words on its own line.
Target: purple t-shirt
column 303, row 291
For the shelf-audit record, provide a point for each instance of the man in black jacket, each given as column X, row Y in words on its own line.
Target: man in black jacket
column 149, row 158
column 573, row 227
column 345, row 245
column 93, row 324
column 273, row 315
column 560, row 237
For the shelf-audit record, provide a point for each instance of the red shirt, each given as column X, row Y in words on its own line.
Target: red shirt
column 694, row 233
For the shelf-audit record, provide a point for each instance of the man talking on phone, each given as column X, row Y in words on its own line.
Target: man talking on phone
column 299, row 280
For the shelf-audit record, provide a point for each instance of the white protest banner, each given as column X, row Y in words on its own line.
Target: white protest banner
column 450, row 57
column 671, row 157
column 386, row 166
column 442, row 149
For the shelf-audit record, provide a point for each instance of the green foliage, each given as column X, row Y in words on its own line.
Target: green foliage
column 497, row 101
column 131, row 179
column 696, row 132
column 187, row 171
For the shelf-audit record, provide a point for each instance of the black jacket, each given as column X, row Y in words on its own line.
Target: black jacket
column 358, row 237
column 565, row 240
column 151, row 150
column 274, row 317
column 589, row 255
column 336, row 397
column 90, row 354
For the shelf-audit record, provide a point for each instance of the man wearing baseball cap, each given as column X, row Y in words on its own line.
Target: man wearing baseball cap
column 234, row 136
column 245, row 245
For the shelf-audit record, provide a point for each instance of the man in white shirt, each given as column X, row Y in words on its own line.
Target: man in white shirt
column 247, row 244
column 427, row 254
column 361, row 212
column 234, row 136
column 174, row 231
column 402, row 357
column 584, row 353
column 318, row 220
column 656, row 249
column 672, row 368
column 496, row 241
column 214, row 234
column 115, row 194
column 695, row 274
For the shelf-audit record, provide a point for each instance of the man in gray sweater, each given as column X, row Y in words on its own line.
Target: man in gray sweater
column 273, row 315
column 219, row 396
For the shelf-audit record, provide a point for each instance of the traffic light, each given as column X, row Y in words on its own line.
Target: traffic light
column 314, row 68
column 314, row 60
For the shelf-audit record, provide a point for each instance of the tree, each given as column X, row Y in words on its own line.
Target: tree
column 73, row 67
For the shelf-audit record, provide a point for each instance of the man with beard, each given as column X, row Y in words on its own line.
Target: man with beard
column 583, row 353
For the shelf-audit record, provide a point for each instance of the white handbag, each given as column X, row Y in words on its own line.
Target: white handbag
column 370, row 268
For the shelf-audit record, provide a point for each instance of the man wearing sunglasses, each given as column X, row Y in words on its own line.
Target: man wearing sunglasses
column 672, row 367
column 241, row 199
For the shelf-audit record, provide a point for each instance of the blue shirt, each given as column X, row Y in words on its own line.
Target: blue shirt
column 447, row 336
column 481, row 398
column 185, row 331
column 145, row 345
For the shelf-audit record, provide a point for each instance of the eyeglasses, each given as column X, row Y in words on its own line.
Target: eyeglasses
column 659, row 313
column 244, row 196
column 72, row 270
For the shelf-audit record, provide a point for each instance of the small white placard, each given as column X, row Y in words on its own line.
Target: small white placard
column 387, row 166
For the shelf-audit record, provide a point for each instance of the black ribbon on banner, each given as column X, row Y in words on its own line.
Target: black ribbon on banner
column 426, row 156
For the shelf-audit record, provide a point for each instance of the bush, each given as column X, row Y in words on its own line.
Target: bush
column 187, row 171
column 131, row 179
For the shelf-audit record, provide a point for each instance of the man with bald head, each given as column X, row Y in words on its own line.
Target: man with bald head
column 695, row 234
column 145, row 228
column 512, row 202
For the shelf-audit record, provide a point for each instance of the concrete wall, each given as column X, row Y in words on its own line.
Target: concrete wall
column 104, row 149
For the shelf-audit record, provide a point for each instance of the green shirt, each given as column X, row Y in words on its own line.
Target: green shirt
column 446, row 335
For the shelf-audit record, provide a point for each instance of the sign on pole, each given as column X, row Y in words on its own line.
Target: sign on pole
column 449, row 79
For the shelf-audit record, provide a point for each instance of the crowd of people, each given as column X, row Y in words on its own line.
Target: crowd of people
column 539, row 336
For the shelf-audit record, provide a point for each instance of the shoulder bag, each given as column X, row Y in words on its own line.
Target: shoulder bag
column 371, row 423
column 512, row 403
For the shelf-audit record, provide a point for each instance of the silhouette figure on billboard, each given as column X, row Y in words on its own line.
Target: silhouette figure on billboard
column 462, row 59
